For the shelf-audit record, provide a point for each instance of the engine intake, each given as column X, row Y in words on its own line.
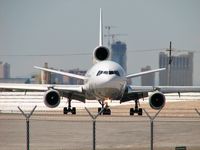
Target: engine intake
column 157, row 100
column 52, row 98
column 101, row 53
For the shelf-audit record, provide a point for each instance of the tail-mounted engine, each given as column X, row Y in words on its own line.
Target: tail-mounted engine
column 52, row 98
column 157, row 100
column 100, row 53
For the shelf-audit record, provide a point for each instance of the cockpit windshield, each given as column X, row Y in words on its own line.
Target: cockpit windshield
column 108, row 72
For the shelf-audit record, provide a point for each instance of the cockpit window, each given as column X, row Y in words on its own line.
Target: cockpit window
column 117, row 73
column 99, row 73
column 108, row 72
column 111, row 72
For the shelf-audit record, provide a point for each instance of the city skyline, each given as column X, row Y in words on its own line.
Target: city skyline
column 71, row 27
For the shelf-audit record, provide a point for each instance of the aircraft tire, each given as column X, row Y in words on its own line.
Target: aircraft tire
column 132, row 111
column 107, row 112
column 140, row 111
column 74, row 110
column 65, row 110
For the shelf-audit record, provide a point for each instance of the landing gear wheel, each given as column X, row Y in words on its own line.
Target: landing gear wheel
column 132, row 111
column 140, row 112
column 99, row 109
column 137, row 110
column 68, row 109
column 73, row 111
column 65, row 110
column 107, row 111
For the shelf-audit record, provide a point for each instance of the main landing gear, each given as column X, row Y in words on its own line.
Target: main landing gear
column 137, row 110
column 70, row 109
column 106, row 111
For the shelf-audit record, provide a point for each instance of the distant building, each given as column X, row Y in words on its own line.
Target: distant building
column 70, row 80
column 1, row 70
column 53, row 78
column 181, row 70
column 15, row 80
column 45, row 76
column 4, row 70
column 118, row 54
column 148, row 79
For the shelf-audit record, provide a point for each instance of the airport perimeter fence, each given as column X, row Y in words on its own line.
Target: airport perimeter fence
column 49, row 131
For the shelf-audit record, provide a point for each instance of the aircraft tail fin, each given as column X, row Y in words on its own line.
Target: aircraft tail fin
column 100, row 29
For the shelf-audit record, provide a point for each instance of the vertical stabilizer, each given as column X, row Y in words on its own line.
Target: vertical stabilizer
column 100, row 29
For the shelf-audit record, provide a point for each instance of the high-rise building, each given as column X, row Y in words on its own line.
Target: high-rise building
column 75, row 81
column 148, row 79
column 1, row 69
column 181, row 73
column 45, row 76
column 4, row 70
column 118, row 54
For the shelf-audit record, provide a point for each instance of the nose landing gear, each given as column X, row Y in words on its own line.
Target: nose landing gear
column 107, row 110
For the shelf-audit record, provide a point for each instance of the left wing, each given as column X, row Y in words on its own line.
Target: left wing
column 138, row 92
column 166, row 89
column 143, row 73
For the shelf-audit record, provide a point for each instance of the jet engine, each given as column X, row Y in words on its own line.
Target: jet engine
column 157, row 100
column 52, row 98
column 101, row 53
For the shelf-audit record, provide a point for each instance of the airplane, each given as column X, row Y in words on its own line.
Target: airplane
column 105, row 81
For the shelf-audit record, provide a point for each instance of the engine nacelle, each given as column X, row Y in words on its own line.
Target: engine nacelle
column 100, row 53
column 157, row 100
column 52, row 98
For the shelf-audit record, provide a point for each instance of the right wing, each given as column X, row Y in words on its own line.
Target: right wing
column 75, row 91
column 62, row 73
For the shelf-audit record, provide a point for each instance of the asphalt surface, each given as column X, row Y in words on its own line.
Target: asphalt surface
column 54, row 131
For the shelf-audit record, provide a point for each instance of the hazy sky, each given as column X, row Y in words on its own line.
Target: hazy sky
column 64, row 27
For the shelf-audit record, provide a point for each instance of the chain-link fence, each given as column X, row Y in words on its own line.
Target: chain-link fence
column 61, row 132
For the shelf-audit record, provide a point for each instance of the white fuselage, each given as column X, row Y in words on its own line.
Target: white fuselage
column 106, row 80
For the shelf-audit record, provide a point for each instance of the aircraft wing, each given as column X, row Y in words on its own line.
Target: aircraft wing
column 75, row 91
column 143, row 73
column 166, row 89
column 40, row 87
column 62, row 73
column 138, row 92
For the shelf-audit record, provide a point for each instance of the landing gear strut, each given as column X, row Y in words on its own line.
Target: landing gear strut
column 106, row 111
column 137, row 110
column 68, row 109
